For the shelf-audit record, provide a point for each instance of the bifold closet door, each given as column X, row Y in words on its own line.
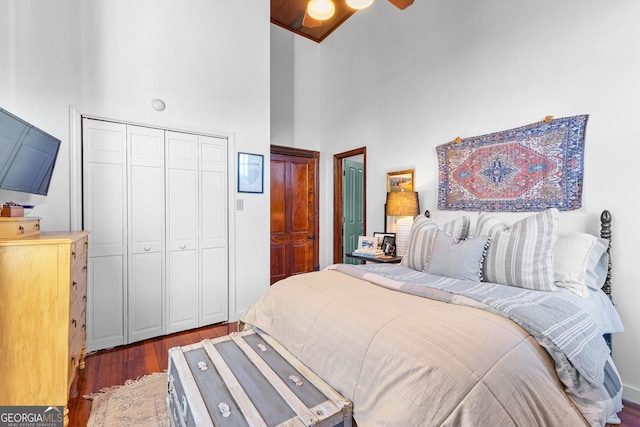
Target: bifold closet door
column 182, row 228
column 105, row 217
column 146, row 225
column 214, row 238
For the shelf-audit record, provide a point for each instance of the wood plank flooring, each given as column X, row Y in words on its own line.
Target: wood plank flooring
column 107, row 368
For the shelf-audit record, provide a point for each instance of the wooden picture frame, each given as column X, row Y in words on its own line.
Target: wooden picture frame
column 250, row 173
column 400, row 180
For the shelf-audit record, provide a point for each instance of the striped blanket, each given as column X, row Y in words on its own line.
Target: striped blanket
column 555, row 323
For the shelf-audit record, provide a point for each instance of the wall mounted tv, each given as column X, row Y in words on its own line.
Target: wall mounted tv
column 27, row 155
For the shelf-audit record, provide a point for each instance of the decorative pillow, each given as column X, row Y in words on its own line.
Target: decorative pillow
column 422, row 236
column 457, row 259
column 580, row 261
column 521, row 255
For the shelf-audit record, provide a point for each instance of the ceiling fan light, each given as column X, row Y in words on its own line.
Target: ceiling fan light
column 321, row 9
column 359, row 4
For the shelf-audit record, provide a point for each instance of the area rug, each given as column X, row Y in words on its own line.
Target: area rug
column 138, row 402
column 530, row 168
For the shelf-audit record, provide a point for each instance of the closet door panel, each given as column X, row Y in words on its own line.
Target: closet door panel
column 105, row 302
column 146, row 232
column 182, row 307
column 104, row 213
column 214, row 230
column 214, row 278
column 182, row 209
column 145, row 296
column 105, row 208
column 182, row 230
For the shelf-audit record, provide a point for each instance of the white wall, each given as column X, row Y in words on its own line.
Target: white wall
column 208, row 60
column 403, row 82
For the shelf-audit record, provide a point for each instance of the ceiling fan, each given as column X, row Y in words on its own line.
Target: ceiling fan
column 321, row 10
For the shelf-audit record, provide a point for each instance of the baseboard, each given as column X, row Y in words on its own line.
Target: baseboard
column 631, row 393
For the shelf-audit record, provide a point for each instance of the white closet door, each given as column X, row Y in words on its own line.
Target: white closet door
column 146, row 232
column 182, row 231
column 104, row 205
column 214, row 231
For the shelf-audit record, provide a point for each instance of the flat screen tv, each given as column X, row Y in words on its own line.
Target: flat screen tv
column 27, row 155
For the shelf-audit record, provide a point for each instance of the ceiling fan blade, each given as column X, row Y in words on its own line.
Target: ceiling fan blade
column 401, row 4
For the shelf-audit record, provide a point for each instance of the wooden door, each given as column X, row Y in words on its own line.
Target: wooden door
column 352, row 207
column 294, row 212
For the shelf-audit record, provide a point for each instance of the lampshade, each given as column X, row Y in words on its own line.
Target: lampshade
column 321, row 9
column 359, row 4
column 403, row 203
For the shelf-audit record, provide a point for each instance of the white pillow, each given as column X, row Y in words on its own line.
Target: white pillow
column 580, row 262
column 521, row 255
column 422, row 236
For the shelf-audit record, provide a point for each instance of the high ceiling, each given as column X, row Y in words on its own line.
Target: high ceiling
column 291, row 15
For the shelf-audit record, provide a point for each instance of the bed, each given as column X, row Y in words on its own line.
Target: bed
column 490, row 324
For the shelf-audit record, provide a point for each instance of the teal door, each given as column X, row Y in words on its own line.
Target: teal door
column 352, row 207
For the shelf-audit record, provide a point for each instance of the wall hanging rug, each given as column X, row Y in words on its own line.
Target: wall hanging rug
column 530, row 168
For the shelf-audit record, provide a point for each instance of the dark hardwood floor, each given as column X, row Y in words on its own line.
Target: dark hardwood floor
column 113, row 367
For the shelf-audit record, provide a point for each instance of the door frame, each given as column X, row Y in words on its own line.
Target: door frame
column 315, row 155
column 337, row 198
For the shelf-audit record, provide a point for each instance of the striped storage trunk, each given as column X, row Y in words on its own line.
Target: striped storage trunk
column 248, row 379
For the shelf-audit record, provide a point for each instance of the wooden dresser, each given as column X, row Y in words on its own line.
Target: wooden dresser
column 43, row 292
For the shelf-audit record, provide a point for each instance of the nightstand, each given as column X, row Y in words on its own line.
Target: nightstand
column 390, row 260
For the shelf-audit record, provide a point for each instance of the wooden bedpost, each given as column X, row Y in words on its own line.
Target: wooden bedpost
column 605, row 233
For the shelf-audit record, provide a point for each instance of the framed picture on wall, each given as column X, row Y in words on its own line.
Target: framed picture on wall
column 400, row 180
column 250, row 173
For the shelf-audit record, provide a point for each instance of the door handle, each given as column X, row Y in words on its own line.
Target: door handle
column 311, row 236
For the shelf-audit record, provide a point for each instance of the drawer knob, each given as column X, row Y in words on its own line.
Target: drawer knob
column 21, row 229
column 147, row 248
column 183, row 246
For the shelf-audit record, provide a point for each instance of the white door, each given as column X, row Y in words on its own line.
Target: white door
column 182, row 231
column 214, row 231
column 146, row 232
column 104, row 206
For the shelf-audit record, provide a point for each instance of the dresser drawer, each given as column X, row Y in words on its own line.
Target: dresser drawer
column 77, row 338
column 78, row 283
column 79, row 251
column 19, row 227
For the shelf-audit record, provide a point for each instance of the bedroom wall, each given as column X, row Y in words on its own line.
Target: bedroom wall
column 112, row 57
column 403, row 82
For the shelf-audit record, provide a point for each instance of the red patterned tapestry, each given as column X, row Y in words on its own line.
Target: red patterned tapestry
column 530, row 168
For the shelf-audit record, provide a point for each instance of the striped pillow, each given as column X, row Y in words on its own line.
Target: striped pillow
column 520, row 255
column 422, row 236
